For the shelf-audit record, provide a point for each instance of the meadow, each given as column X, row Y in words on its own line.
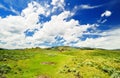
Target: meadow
column 60, row 62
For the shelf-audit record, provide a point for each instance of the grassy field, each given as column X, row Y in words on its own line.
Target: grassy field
column 60, row 62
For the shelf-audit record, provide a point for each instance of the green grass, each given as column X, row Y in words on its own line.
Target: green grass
column 60, row 62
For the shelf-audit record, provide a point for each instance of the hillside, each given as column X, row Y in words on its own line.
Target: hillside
column 60, row 62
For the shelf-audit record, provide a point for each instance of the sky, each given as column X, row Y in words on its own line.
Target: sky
column 50, row 23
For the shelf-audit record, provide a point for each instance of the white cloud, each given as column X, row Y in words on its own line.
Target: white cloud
column 12, row 32
column 84, row 7
column 14, row 11
column 57, row 26
column 88, row 6
column 57, row 4
column 110, row 40
column 3, row 7
column 106, row 13
column 9, row 9
column 104, row 21
column 12, row 29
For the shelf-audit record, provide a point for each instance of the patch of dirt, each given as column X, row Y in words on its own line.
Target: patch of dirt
column 48, row 63
column 43, row 76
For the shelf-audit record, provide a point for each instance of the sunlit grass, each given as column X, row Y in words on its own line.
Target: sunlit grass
column 60, row 62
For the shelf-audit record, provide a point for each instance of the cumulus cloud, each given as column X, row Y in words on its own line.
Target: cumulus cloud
column 106, row 13
column 57, row 4
column 69, row 30
column 109, row 40
column 58, row 30
column 12, row 32
column 12, row 28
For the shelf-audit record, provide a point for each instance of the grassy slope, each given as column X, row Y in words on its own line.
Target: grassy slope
column 61, row 62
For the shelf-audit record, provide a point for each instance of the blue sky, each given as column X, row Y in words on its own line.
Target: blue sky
column 47, row 23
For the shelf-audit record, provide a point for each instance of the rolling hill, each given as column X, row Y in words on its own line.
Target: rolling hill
column 60, row 62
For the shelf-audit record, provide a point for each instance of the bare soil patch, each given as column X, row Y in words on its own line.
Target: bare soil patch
column 43, row 76
column 48, row 63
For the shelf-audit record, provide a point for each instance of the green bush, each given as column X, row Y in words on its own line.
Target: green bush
column 108, row 69
column 4, row 69
column 77, row 74
column 117, row 60
column 115, row 74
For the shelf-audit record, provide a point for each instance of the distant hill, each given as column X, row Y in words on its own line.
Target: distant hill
column 64, row 48
column 1, row 48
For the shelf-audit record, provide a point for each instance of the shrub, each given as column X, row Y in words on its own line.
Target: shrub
column 115, row 74
column 73, row 70
column 4, row 69
column 90, row 63
column 108, row 69
column 117, row 60
column 77, row 74
column 65, row 66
